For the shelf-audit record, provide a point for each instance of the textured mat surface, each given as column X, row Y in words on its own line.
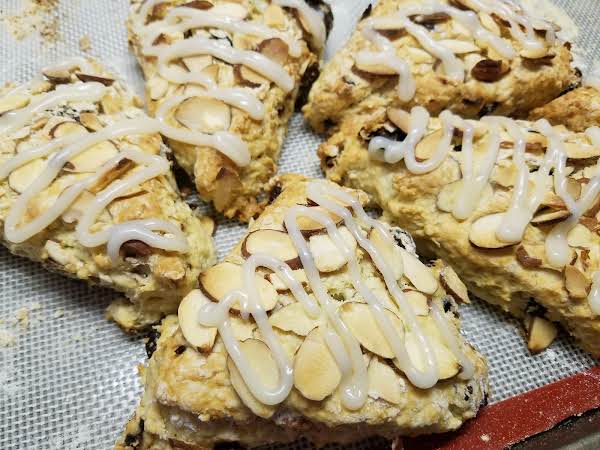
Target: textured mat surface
column 69, row 381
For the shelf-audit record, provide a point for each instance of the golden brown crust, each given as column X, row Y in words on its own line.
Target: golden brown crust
column 577, row 110
column 153, row 280
column 502, row 277
column 235, row 191
column 342, row 91
column 189, row 395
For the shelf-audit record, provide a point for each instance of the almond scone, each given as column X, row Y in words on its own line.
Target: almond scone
column 86, row 189
column 321, row 323
column 577, row 110
column 232, row 71
column 474, row 57
column 513, row 206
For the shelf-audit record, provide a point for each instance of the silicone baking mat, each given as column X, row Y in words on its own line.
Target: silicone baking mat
column 67, row 376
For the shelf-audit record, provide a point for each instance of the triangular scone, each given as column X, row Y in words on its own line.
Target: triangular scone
column 85, row 188
column 474, row 57
column 577, row 110
column 513, row 206
column 312, row 360
column 231, row 72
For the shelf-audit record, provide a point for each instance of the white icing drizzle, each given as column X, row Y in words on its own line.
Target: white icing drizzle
column 61, row 150
column 525, row 200
column 182, row 19
column 453, row 66
column 344, row 347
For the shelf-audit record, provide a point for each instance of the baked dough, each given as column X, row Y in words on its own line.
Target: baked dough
column 577, row 110
column 514, row 272
column 75, row 101
column 217, row 42
column 475, row 79
column 196, row 398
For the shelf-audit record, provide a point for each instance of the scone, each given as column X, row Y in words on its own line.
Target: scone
column 321, row 323
column 513, row 206
column 86, row 189
column 231, row 72
column 577, row 110
column 474, row 57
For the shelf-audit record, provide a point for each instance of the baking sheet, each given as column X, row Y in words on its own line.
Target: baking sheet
column 70, row 381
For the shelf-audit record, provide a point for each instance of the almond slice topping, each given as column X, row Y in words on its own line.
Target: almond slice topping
column 427, row 146
column 454, row 285
column 261, row 360
column 541, row 333
column 447, row 363
column 275, row 49
column 274, row 243
column 293, row 318
column 548, row 215
column 418, row 273
column 325, row 253
column 280, row 286
column 576, row 282
column 204, row 114
column 308, row 226
column 91, row 159
column 197, row 63
column 459, row 47
column 418, row 301
column 390, row 253
column 20, row 179
column 400, row 118
column 201, row 337
column 483, row 232
column 364, row 327
column 384, row 382
column 316, row 373
column 221, row 279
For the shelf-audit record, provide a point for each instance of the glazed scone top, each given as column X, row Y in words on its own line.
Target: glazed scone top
column 540, row 166
column 455, row 33
column 74, row 170
column 184, row 43
column 327, row 235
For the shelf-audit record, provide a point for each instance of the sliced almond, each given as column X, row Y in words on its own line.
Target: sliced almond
column 241, row 329
column 122, row 167
column 262, row 362
column 534, row 53
column 420, row 56
column 20, row 179
column 275, row 49
column 274, row 16
column 223, row 278
column 446, row 198
column 212, row 72
column 316, row 373
column 488, row 22
column 428, row 145
column 489, row 70
column 230, row 9
column 541, row 334
column 197, row 63
column 57, row 76
column 418, row 301
column 12, row 102
column 548, row 215
column 275, row 243
column 204, row 114
column 400, row 118
column 90, row 121
column 526, row 259
column 376, row 69
column 293, row 318
column 578, row 152
column 91, row 159
column 576, row 282
column 65, row 128
column 483, row 232
column 308, row 226
column 281, row 286
column 505, row 175
column 580, row 236
column 390, row 253
column 326, row 255
column 418, row 273
column 247, row 77
column 454, row 285
column 197, row 335
column 198, row 4
column 157, row 87
column 384, row 382
column 95, row 78
column 364, row 327
column 459, row 47
column 447, row 363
